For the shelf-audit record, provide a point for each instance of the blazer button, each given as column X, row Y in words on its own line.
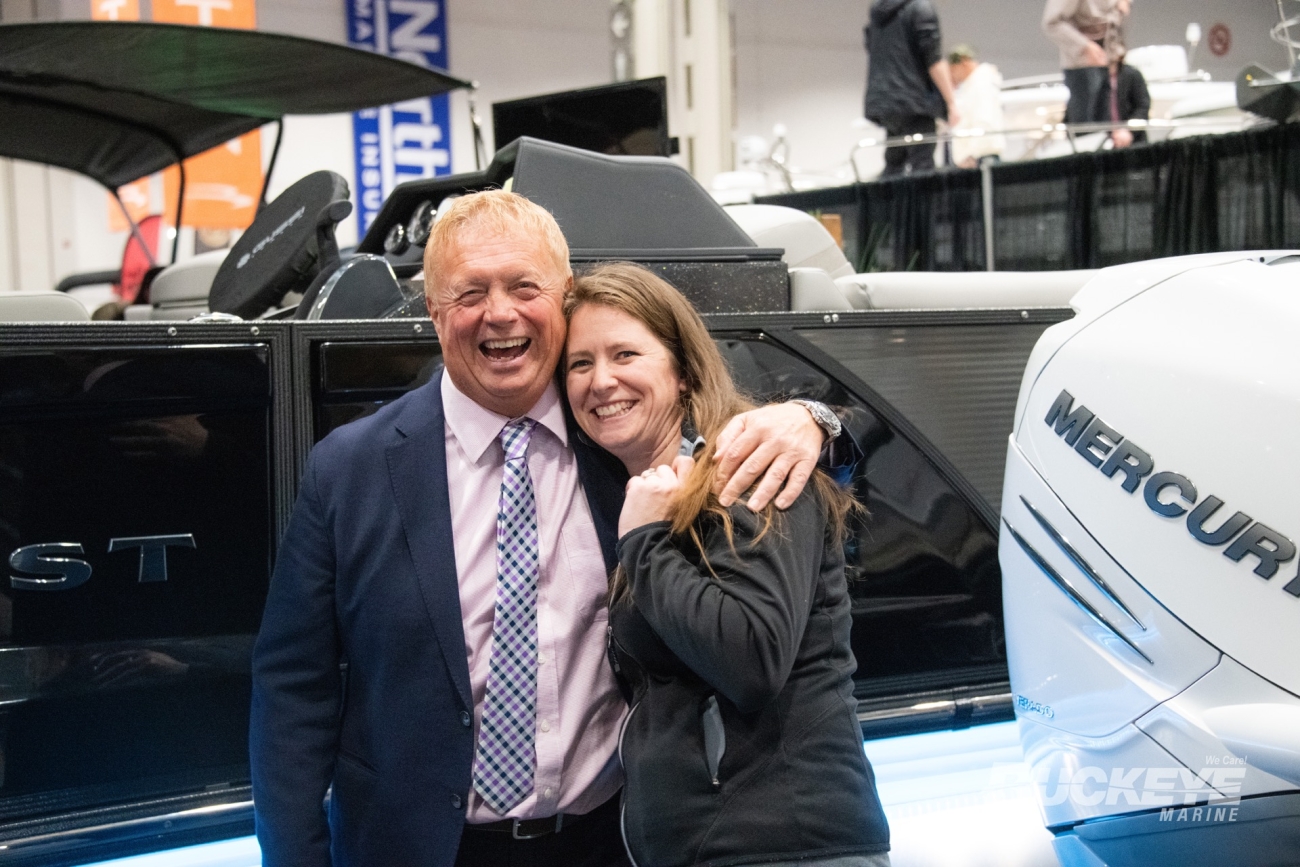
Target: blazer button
column 465, row 718
column 455, row 802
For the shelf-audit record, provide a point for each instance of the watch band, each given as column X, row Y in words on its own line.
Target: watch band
column 827, row 420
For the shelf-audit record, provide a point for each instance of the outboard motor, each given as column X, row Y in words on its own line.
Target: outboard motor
column 1148, row 548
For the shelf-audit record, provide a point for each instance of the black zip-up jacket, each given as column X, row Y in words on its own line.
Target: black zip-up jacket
column 903, row 42
column 743, row 744
column 1133, row 99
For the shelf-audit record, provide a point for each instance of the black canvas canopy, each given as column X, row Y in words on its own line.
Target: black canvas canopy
column 120, row 100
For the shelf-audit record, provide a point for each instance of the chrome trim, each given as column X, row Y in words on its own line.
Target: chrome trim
column 1068, row 589
column 129, row 828
column 927, row 709
column 1084, row 565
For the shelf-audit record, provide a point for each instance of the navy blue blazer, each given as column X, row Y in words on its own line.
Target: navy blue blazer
column 366, row 575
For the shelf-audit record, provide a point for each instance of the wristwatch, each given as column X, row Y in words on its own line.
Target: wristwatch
column 828, row 421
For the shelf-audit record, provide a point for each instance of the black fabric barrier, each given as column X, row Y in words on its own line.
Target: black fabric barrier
column 1204, row 194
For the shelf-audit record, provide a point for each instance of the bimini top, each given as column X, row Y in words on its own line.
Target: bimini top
column 120, row 100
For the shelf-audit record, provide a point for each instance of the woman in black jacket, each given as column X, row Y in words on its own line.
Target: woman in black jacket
column 742, row 746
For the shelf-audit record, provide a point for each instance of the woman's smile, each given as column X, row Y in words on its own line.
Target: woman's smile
column 610, row 410
column 624, row 386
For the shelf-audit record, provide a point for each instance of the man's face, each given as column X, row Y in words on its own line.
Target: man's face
column 962, row 70
column 497, row 305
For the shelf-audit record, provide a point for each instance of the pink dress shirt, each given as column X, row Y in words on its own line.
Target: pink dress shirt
column 579, row 708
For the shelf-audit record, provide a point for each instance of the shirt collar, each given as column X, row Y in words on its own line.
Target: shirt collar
column 476, row 428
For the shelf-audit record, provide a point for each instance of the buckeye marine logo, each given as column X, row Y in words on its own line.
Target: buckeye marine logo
column 1107, row 450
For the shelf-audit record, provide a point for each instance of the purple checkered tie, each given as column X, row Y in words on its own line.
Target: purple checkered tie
column 503, row 766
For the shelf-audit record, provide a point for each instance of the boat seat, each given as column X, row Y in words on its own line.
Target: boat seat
column 181, row 291
column 804, row 239
column 812, row 289
column 41, row 307
column 958, row 289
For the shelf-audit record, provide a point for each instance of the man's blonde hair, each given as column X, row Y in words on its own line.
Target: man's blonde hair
column 495, row 211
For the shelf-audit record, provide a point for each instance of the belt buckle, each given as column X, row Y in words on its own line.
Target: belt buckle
column 514, row 830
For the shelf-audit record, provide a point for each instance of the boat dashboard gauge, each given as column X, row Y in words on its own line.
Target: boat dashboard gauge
column 417, row 230
column 397, row 241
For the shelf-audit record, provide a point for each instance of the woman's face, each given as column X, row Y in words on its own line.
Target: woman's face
column 624, row 386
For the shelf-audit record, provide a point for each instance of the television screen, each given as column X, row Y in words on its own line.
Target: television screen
column 627, row 118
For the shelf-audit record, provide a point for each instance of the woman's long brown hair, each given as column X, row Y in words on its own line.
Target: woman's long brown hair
column 711, row 399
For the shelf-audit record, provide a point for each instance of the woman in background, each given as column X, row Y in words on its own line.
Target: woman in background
column 732, row 627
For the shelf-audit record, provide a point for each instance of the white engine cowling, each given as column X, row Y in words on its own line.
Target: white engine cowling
column 1148, row 550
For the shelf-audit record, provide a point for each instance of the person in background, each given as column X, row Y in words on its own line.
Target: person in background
column 908, row 82
column 979, row 101
column 732, row 627
column 1124, row 97
column 1090, row 35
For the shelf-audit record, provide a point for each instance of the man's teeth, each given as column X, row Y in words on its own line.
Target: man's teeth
column 505, row 344
column 613, row 409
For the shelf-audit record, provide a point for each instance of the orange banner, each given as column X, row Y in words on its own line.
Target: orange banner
column 240, row 14
column 115, row 10
column 222, row 185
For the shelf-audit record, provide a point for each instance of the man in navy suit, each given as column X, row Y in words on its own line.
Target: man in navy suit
column 379, row 651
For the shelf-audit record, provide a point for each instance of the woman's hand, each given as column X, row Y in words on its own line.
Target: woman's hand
column 650, row 495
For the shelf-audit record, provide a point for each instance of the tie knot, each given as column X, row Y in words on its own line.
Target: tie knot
column 515, row 436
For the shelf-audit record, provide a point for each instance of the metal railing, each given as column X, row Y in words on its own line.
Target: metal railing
column 1067, row 132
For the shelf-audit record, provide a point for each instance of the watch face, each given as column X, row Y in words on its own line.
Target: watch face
column 396, row 242
column 822, row 414
column 417, row 231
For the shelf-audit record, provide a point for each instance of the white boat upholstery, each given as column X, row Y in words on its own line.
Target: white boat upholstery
column 813, row 289
column 180, row 291
column 957, row 289
column 805, row 240
column 41, row 307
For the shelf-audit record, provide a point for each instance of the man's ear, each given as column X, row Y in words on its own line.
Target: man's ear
column 432, row 306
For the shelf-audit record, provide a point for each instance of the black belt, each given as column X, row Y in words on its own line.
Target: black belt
column 528, row 829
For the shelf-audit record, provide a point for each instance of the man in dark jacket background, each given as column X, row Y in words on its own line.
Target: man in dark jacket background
column 1124, row 96
column 908, row 81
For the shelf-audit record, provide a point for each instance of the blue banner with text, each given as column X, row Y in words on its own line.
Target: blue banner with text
column 407, row 140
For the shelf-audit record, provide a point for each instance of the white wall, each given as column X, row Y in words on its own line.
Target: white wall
column 802, row 65
column 512, row 49
column 516, row 49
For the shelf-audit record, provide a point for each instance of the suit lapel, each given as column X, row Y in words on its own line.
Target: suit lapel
column 417, row 469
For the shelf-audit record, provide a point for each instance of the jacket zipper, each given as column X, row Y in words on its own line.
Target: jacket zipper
column 622, row 808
